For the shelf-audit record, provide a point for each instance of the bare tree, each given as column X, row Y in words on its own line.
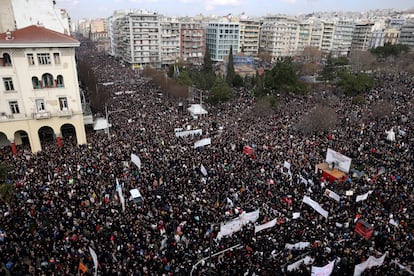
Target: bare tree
column 362, row 60
column 381, row 109
column 319, row 119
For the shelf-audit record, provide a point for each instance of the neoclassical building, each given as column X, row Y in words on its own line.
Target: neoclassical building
column 39, row 94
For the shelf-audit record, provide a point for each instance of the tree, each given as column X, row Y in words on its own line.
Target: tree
column 283, row 79
column 381, row 109
column 265, row 57
column 230, row 68
column 319, row 119
column 355, row 84
column 361, row 60
column 208, row 64
column 220, row 92
column 238, row 81
column 389, row 50
column 332, row 67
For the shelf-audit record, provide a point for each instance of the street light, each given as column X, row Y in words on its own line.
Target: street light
column 107, row 117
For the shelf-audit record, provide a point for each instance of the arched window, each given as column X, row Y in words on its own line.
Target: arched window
column 47, row 80
column 35, row 83
column 7, row 60
column 59, row 81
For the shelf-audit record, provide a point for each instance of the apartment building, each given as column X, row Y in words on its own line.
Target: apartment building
column 279, row 36
column 169, row 40
column 40, row 99
column 362, row 36
column 136, row 38
column 391, row 36
column 220, row 37
column 192, row 41
column 327, row 36
column 407, row 33
column 342, row 37
column 249, row 37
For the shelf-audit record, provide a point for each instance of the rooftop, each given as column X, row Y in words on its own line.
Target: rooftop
column 36, row 36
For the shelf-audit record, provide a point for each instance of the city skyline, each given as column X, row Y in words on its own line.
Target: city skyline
column 80, row 9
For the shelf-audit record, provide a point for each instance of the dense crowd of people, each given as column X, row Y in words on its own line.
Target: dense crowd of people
column 66, row 200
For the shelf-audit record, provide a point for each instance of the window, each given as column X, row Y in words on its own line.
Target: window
column 14, row 107
column 43, row 58
column 56, row 58
column 63, row 103
column 59, row 81
column 6, row 60
column 47, row 80
column 40, row 105
column 30, row 59
column 8, row 84
column 35, row 83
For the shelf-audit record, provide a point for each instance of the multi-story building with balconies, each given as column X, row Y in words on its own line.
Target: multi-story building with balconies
column 40, row 97
column 362, row 36
column 407, row 33
column 169, row 40
column 249, row 37
column 279, row 36
column 342, row 37
column 192, row 41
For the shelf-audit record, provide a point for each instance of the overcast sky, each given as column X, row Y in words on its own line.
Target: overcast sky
column 79, row 9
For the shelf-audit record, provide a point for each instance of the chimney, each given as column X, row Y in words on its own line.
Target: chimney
column 9, row 35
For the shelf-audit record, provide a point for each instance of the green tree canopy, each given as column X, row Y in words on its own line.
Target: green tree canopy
column 220, row 92
column 283, row 78
column 355, row 84
column 390, row 50
column 230, row 68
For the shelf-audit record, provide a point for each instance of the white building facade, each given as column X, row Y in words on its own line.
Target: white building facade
column 40, row 98
column 220, row 37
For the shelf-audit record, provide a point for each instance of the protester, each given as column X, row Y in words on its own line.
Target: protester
column 67, row 201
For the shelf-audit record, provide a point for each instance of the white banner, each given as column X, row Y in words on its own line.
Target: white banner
column 332, row 194
column 297, row 246
column 121, row 196
column 315, row 205
column 186, row 133
column 342, row 162
column 296, row 215
column 236, row 224
column 307, row 260
column 363, row 197
column 323, row 271
column 95, row 259
column 371, row 262
column 135, row 159
column 202, row 142
column 264, row 226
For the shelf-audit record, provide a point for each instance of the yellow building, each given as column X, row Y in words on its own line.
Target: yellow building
column 40, row 100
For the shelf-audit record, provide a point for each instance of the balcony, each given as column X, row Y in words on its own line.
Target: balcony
column 64, row 112
column 40, row 115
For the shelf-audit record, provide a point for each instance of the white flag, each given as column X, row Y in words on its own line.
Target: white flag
column 135, row 159
column 95, row 259
column 363, row 197
column 315, row 205
column 230, row 202
column 266, row 225
column 323, row 271
column 371, row 262
column 332, row 194
column 203, row 170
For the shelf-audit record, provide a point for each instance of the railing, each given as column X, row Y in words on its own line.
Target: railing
column 41, row 115
column 64, row 113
